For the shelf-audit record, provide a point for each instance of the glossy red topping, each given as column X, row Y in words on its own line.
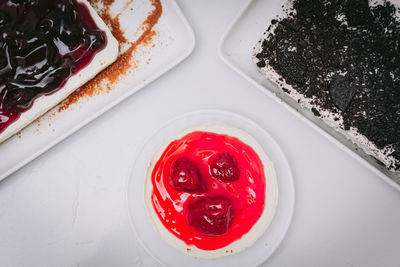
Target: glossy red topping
column 224, row 167
column 185, row 176
column 210, row 216
column 208, row 189
column 42, row 43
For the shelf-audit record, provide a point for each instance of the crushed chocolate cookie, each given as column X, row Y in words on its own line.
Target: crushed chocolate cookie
column 316, row 112
column 341, row 91
column 344, row 54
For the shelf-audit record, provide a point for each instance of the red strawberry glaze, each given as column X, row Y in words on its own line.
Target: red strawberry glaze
column 243, row 199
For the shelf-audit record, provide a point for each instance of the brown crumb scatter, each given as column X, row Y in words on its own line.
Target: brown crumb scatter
column 124, row 63
column 127, row 4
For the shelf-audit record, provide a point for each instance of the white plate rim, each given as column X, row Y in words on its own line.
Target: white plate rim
column 188, row 50
column 268, row 92
column 290, row 190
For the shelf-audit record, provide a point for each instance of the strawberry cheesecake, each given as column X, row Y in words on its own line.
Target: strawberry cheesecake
column 211, row 191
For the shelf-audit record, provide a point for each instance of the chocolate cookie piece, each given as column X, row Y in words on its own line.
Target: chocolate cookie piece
column 341, row 91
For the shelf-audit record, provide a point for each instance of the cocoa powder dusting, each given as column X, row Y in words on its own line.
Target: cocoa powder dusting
column 115, row 71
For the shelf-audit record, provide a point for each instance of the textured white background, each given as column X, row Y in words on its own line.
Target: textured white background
column 68, row 208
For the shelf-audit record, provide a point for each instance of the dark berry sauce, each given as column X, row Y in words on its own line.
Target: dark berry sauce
column 208, row 189
column 42, row 43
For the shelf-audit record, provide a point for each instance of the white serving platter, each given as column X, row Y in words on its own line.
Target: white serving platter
column 236, row 48
column 167, row 255
column 173, row 42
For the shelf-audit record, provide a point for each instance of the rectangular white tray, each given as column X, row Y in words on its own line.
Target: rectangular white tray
column 235, row 50
column 174, row 41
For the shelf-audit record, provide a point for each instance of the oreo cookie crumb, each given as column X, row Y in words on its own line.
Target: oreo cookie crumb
column 345, row 55
column 261, row 64
column 316, row 112
column 341, row 92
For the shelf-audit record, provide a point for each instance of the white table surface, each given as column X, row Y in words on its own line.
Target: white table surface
column 68, row 207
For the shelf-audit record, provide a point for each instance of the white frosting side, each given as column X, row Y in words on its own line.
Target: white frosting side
column 327, row 116
column 247, row 240
column 44, row 103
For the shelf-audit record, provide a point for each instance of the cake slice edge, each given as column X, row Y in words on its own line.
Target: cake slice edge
column 100, row 61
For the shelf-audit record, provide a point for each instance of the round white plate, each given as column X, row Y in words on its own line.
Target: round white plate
column 263, row 247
